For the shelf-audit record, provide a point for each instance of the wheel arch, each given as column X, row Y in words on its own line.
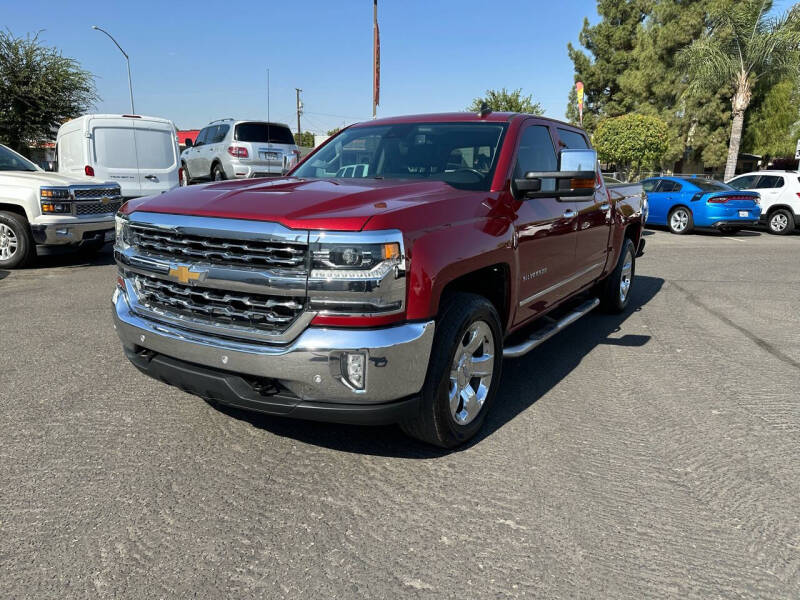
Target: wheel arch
column 492, row 282
column 14, row 208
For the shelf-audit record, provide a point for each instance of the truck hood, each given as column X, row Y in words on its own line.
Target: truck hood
column 39, row 178
column 334, row 204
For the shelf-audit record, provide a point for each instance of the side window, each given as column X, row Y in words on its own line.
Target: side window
column 219, row 133
column 666, row 186
column 747, row 182
column 769, row 181
column 649, row 185
column 211, row 135
column 536, row 153
column 572, row 139
column 201, row 137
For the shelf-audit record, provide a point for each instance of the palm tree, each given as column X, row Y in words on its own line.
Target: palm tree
column 742, row 46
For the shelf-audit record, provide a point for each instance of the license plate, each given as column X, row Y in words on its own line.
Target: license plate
column 109, row 236
column 268, row 155
column 744, row 213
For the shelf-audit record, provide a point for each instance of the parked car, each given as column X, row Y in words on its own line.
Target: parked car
column 228, row 149
column 683, row 203
column 140, row 153
column 385, row 278
column 50, row 209
column 780, row 197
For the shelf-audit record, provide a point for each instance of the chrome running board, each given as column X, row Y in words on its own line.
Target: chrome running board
column 549, row 330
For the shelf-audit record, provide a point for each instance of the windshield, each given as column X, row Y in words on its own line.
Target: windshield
column 11, row 161
column 709, row 185
column 257, row 132
column 463, row 155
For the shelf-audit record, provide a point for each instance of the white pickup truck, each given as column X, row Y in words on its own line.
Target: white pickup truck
column 48, row 209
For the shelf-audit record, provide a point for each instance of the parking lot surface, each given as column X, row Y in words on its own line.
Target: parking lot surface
column 649, row 455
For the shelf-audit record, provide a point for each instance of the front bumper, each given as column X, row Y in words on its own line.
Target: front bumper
column 310, row 367
column 70, row 230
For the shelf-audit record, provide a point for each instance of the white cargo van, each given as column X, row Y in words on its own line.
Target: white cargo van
column 140, row 153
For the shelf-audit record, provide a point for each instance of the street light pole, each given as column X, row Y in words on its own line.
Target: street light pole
column 127, row 60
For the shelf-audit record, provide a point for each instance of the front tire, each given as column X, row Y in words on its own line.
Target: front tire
column 615, row 290
column 781, row 222
column 185, row 179
column 16, row 242
column 680, row 221
column 463, row 374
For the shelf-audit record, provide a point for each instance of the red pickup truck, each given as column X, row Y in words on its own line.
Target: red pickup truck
column 385, row 278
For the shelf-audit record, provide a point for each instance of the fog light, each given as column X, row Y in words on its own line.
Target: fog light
column 354, row 366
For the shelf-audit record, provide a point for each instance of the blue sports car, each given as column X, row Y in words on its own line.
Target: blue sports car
column 683, row 203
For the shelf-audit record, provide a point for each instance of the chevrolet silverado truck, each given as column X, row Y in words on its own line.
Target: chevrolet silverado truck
column 385, row 278
column 50, row 209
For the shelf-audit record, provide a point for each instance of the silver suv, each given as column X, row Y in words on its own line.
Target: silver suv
column 228, row 149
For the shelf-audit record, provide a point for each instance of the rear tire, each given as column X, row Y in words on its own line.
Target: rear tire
column 680, row 220
column 17, row 248
column 217, row 173
column 780, row 222
column 615, row 290
column 463, row 374
column 185, row 179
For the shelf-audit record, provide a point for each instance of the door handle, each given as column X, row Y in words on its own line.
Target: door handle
column 152, row 177
column 569, row 213
column 605, row 206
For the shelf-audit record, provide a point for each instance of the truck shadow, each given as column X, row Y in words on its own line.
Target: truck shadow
column 49, row 258
column 4, row 274
column 525, row 380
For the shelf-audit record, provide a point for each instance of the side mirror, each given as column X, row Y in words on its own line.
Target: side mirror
column 188, row 142
column 575, row 177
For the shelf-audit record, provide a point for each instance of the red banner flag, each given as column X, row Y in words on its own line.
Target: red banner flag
column 376, row 57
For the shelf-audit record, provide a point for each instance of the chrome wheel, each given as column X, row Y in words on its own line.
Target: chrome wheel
column 8, row 242
column 778, row 222
column 218, row 175
column 626, row 277
column 471, row 372
column 679, row 220
column 184, row 177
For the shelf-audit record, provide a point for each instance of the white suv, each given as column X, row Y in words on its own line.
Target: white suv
column 780, row 197
column 228, row 149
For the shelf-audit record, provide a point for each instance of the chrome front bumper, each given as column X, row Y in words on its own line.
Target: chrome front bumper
column 70, row 230
column 309, row 366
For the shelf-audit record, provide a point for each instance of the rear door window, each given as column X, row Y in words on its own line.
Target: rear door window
column 572, row 139
column 769, row 182
column 155, row 148
column 263, row 133
column 669, row 186
column 220, row 133
column 114, row 147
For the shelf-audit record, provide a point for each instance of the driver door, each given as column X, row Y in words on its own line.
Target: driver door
column 545, row 230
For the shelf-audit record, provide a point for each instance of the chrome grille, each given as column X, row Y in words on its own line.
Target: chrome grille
column 96, row 208
column 256, row 311
column 91, row 193
column 220, row 251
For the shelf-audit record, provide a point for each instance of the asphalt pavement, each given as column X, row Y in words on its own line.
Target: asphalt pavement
column 649, row 455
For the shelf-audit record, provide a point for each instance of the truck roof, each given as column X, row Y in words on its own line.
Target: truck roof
column 464, row 116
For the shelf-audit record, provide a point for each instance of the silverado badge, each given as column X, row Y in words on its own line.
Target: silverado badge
column 183, row 274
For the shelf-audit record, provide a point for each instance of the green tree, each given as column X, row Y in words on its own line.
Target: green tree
column 743, row 45
column 505, row 101
column 631, row 142
column 304, row 139
column 334, row 131
column 610, row 44
column 771, row 126
column 39, row 90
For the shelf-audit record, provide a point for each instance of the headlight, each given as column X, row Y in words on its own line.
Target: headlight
column 122, row 232
column 357, row 273
column 55, row 200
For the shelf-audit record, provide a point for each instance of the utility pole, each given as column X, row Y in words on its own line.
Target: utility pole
column 299, row 109
column 127, row 60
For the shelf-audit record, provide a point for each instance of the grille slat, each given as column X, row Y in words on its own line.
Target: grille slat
column 90, row 193
column 221, row 251
column 262, row 312
column 97, row 208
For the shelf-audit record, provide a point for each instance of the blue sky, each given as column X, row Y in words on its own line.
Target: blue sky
column 197, row 61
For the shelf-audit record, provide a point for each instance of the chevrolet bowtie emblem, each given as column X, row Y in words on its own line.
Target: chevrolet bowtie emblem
column 183, row 274
column 105, row 200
